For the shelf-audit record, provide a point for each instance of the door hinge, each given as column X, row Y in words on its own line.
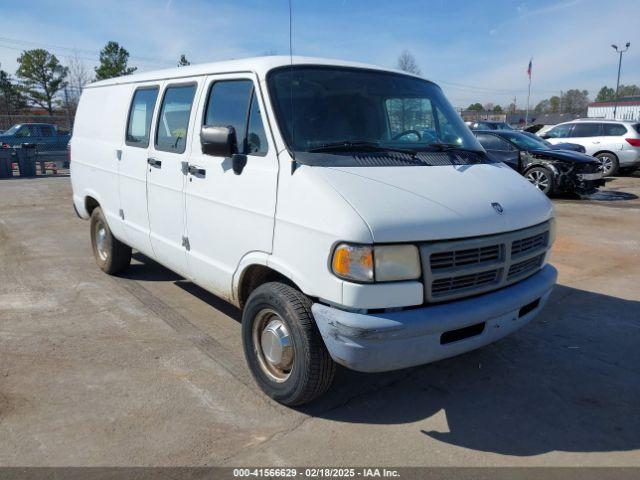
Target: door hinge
column 121, row 213
column 185, row 243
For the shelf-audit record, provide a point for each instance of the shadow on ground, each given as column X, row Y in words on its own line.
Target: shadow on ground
column 569, row 381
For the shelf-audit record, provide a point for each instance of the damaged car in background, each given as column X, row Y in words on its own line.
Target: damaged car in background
column 550, row 170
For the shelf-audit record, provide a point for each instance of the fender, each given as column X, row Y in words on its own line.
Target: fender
column 266, row 260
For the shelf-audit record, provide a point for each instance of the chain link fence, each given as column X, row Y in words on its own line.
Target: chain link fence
column 34, row 144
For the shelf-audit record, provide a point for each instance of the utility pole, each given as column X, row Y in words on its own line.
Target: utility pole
column 620, row 52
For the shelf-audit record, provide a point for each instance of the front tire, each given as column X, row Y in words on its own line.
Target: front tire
column 112, row 256
column 283, row 347
column 541, row 178
column 608, row 163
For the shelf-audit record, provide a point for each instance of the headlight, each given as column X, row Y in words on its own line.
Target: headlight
column 396, row 262
column 384, row 263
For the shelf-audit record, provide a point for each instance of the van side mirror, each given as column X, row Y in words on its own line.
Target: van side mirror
column 218, row 141
column 544, row 136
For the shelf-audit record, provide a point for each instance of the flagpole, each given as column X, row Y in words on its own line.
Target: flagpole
column 526, row 117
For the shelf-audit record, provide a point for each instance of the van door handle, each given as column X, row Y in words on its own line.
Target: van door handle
column 197, row 171
column 154, row 162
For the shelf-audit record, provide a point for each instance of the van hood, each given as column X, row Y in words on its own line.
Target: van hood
column 409, row 204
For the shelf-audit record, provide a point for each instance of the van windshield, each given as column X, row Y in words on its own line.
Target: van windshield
column 324, row 108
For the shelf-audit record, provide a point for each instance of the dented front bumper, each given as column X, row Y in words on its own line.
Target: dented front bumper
column 394, row 340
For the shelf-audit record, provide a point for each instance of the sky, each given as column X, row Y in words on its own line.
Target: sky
column 478, row 51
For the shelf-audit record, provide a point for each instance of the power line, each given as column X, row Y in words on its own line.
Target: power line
column 73, row 50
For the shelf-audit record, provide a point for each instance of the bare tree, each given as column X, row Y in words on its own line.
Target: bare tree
column 79, row 75
column 407, row 63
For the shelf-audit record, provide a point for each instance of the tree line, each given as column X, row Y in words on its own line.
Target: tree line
column 42, row 80
column 571, row 101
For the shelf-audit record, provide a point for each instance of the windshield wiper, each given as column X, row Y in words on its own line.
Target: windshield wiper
column 358, row 145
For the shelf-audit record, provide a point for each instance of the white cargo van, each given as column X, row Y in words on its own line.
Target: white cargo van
column 345, row 208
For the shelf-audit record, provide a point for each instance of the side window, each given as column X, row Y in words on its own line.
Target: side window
column 561, row 131
column 586, row 130
column 140, row 115
column 25, row 131
column 46, row 131
column 173, row 121
column 492, row 142
column 614, row 129
column 256, row 143
column 233, row 103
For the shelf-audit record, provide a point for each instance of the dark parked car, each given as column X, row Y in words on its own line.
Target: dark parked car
column 44, row 135
column 488, row 125
column 552, row 171
column 574, row 147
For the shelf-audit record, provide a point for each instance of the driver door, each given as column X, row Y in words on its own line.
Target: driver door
column 229, row 215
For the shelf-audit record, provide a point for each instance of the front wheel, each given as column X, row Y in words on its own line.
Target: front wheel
column 283, row 347
column 542, row 178
column 112, row 256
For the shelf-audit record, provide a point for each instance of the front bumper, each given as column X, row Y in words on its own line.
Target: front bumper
column 394, row 340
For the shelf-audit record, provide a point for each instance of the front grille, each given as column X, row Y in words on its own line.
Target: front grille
column 445, row 286
column 521, row 268
column 462, row 268
column 459, row 258
column 519, row 247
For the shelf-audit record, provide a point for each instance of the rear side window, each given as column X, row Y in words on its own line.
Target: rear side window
column 586, row 130
column 47, row 131
column 173, row 121
column 614, row 129
column 636, row 126
column 140, row 115
column 234, row 103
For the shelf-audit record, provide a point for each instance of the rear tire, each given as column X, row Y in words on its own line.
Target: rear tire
column 542, row 178
column 609, row 163
column 283, row 347
column 112, row 256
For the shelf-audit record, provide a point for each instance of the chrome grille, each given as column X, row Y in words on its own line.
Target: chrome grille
column 461, row 268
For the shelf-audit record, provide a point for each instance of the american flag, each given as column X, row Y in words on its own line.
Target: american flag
column 530, row 67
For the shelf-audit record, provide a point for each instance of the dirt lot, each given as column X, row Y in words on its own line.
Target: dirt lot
column 147, row 369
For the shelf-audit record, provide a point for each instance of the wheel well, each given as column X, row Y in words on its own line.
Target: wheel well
column 256, row 275
column 539, row 165
column 605, row 151
column 90, row 204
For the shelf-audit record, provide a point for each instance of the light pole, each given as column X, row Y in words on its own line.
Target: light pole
column 620, row 52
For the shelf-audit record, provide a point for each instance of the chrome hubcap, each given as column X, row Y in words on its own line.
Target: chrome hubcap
column 101, row 241
column 539, row 179
column 273, row 344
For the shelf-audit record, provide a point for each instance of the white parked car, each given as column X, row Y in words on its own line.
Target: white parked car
column 615, row 143
column 307, row 193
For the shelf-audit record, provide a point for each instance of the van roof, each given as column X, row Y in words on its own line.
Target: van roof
column 258, row 65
